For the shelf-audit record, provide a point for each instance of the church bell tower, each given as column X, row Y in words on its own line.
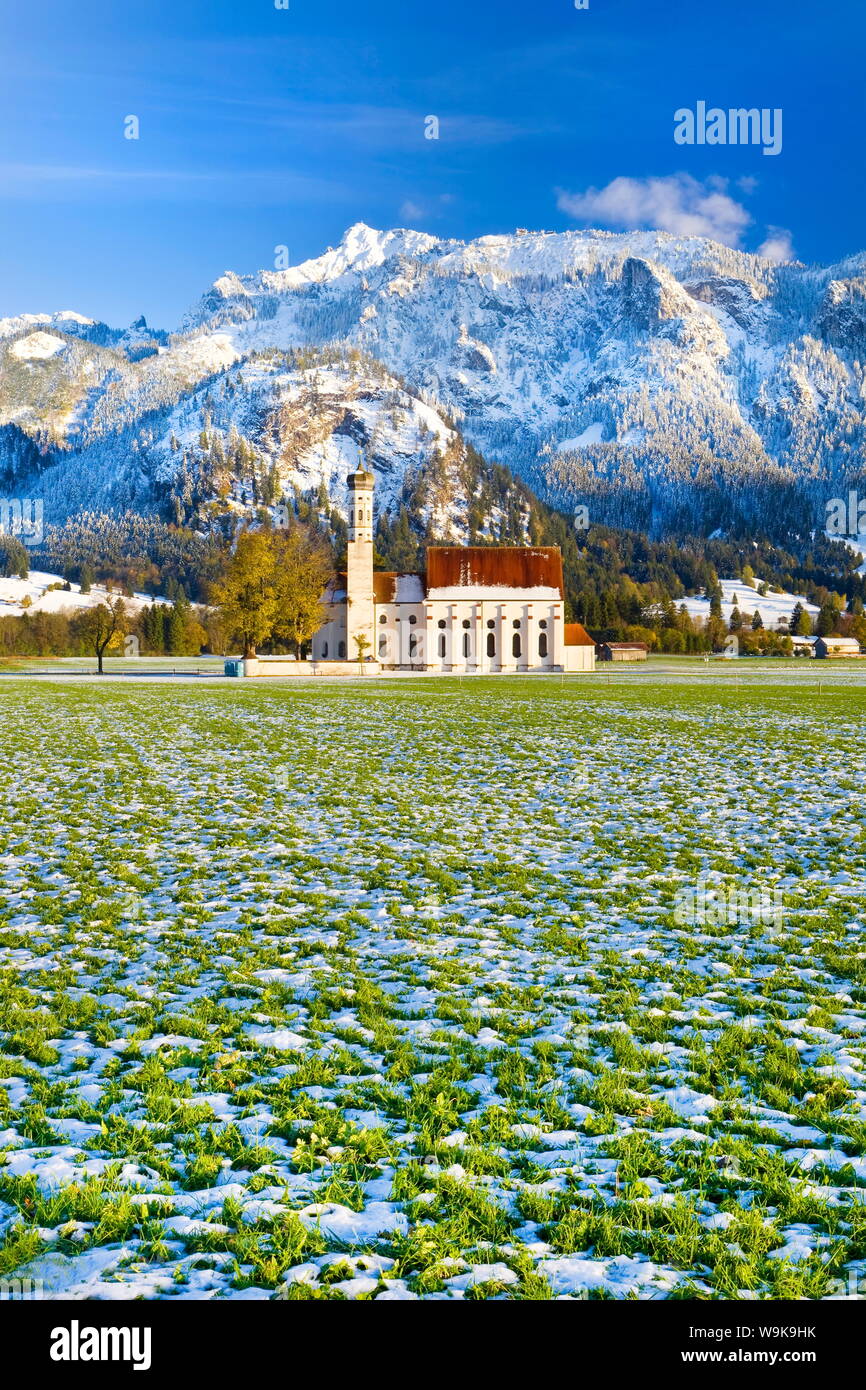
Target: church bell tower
column 359, row 566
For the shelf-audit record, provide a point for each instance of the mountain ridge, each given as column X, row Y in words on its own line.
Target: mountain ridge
column 667, row 383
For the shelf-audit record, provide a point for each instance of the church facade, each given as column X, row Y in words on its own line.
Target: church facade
column 476, row 609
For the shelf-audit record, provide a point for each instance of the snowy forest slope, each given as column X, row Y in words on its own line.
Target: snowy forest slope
column 669, row 384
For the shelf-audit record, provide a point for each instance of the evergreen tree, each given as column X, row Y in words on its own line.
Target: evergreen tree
column 14, row 559
column 827, row 619
column 175, row 627
column 152, row 628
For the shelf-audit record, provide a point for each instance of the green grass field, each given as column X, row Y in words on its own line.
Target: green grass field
column 504, row 988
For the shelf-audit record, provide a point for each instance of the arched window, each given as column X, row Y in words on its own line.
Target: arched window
column 413, row 645
column 466, row 644
column 441, row 643
column 542, row 644
column 341, row 651
column 515, row 644
column 491, row 644
column 324, row 651
column 383, row 644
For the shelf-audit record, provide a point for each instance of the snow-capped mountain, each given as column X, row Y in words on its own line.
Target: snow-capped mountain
column 666, row 382
column 205, row 441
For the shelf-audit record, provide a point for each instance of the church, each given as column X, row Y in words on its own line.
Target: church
column 478, row 609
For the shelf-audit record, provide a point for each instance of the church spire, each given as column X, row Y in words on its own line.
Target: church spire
column 361, row 484
column 359, row 565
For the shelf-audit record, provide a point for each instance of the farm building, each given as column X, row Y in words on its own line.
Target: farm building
column 622, row 651
column 836, row 647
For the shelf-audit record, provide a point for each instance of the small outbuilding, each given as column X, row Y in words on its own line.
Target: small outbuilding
column 622, row 651
column 836, row 647
column 579, row 648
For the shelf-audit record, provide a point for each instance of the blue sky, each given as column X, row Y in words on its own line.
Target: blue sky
column 262, row 127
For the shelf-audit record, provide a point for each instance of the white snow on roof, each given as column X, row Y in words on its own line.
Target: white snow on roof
column 410, row 588
column 495, row 593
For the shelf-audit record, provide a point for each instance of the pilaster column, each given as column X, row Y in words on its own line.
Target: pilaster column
column 556, row 636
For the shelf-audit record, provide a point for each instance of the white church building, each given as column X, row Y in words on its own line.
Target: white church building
column 477, row 609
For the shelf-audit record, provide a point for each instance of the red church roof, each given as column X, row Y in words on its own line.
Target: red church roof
column 494, row 567
column 384, row 586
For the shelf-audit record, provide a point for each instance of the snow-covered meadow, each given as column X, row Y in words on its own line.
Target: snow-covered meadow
column 42, row 592
column 775, row 608
column 434, row 990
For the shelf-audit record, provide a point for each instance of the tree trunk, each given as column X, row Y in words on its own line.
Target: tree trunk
column 99, row 659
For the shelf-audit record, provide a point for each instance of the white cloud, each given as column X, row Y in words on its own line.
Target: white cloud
column 423, row 210
column 778, row 246
column 677, row 203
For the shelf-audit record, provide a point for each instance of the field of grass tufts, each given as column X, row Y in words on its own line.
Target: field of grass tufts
column 496, row 989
